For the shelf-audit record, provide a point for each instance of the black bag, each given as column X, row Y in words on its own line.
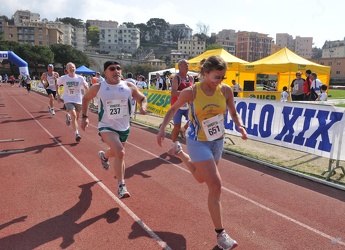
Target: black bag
column 313, row 94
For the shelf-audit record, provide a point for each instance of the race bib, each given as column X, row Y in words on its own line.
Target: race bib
column 72, row 90
column 214, row 127
column 117, row 109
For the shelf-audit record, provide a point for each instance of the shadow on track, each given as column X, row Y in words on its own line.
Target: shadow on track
column 62, row 226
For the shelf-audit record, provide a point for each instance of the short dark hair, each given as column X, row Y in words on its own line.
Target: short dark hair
column 108, row 63
column 129, row 75
column 308, row 71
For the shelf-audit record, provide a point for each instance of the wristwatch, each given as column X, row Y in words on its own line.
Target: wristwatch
column 84, row 116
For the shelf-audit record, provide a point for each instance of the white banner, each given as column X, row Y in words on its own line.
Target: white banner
column 313, row 128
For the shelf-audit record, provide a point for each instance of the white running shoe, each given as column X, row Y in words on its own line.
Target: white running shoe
column 68, row 119
column 122, row 191
column 225, row 242
column 104, row 161
column 52, row 111
column 175, row 148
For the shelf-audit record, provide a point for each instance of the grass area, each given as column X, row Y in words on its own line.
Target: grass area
column 336, row 93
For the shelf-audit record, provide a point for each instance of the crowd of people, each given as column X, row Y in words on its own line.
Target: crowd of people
column 306, row 89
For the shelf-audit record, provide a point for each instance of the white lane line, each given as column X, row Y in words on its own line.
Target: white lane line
column 153, row 235
column 334, row 240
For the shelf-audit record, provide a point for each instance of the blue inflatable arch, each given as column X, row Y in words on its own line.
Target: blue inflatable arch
column 13, row 58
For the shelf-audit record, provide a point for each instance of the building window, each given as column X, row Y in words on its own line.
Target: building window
column 338, row 72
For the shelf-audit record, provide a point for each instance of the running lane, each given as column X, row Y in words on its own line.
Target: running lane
column 55, row 194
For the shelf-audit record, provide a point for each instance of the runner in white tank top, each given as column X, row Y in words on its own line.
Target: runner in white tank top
column 113, row 118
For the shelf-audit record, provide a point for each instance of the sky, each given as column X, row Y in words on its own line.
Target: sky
column 320, row 19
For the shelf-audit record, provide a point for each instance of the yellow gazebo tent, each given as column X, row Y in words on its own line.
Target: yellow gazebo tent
column 233, row 63
column 283, row 63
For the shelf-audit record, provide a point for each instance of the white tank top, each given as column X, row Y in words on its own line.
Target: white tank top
column 51, row 81
column 114, row 106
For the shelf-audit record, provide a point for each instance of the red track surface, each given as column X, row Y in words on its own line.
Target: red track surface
column 56, row 195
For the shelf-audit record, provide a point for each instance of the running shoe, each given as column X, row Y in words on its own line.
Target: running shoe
column 225, row 242
column 68, row 119
column 175, row 148
column 52, row 111
column 77, row 137
column 104, row 161
column 122, row 192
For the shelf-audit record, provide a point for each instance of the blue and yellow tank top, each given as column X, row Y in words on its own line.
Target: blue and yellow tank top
column 205, row 107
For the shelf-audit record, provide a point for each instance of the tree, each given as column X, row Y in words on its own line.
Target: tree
column 66, row 53
column 129, row 24
column 10, row 46
column 92, row 35
column 72, row 21
column 143, row 30
column 42, row 55
column 176, row 33
column 202, row 28
column 316, row 53
column 156, row 28
column 213, row 46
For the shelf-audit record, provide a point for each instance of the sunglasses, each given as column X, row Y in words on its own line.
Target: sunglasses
column 219, row 77
column 298, row 75
column 113, row 68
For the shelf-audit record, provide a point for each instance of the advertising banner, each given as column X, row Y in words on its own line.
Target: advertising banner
column 308, row 127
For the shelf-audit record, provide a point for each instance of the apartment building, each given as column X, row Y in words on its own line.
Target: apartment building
column 21, row 16
column 227, row 38
column 332, row 49
column 252, row 46
column 121, row 39
column 337, row 65
column 302, row 46
column 177, row 32
column 191, row 47
column 285, row 40
column 103, row 24
column 175, row 56
column 33, row 33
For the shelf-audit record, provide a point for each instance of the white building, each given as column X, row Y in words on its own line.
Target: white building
column 121, row 39
column 192, row 47
column 103, row 24
column 21, row 16
column 333, row 49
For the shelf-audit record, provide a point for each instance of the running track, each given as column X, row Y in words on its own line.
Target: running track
column 55, row 195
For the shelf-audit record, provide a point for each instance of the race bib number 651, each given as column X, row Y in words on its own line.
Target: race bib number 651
column 214, row 127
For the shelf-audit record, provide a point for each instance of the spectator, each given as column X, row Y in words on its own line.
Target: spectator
column 323, row 95
column 306, row 86
column 297, row 84
column 314, row 87
column 236, row 88
column 159, row 82
column 284, row 95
